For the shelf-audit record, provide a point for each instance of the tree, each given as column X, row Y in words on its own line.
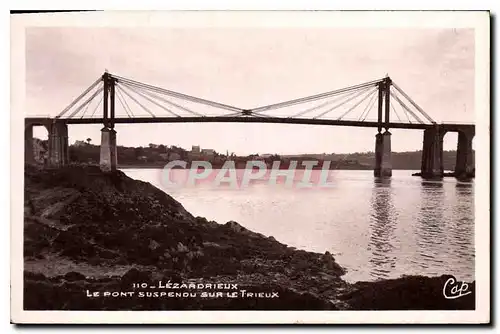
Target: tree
column 88, row 141
column 139, row 151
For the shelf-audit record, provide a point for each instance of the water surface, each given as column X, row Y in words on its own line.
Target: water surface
column 375, row 228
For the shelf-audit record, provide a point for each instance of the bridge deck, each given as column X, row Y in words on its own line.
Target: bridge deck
column 239, row 119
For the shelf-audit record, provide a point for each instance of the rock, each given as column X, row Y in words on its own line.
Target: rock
column 193, row 255
column 34, row 276
column 135, row 276
column 329, row 263
column 234, row 226
column 211, row 244
column 74, row 276
column 153, row 245
column 181, row 248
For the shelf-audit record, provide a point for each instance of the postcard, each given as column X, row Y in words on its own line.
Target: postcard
column 250, row 167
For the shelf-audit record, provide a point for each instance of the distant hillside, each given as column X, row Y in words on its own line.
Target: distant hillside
column 154, row 155
column 400, row 160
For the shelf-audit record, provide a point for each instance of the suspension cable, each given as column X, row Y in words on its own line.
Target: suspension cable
column 392, row 105
column 406, row 114
column 178, row 95
column 232, row 114
column 324, row 104
column 413, row 103
column 97, row 106
column 369, row 110
column 341, row 104
column 124, row 100
column 153, row 95
column 75, row 101
column 86, row 102
column 316, row 97
column 152, row 101
column 121, row 101
column 86, row 109
column 139, row 103
column 357, row 104
column 258, row 114
column 406, row 107
column 368, row 106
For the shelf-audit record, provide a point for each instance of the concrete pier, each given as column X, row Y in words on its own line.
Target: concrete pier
column 383, row 163
column 464, row 164
column 432, row 153
column 108, row 157
column 58, row 145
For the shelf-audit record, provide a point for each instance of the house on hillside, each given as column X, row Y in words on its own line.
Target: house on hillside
column 208, row 152
column 80, row 143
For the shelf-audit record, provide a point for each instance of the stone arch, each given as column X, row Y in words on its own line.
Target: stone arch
column 432, row 153
column 57, row 147
column 35, row 151
column 450, row 139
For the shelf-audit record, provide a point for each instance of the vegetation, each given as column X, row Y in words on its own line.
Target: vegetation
column 158, row 155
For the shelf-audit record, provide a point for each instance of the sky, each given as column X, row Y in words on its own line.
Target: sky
column 250, row 67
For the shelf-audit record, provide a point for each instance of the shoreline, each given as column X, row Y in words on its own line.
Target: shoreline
column 162, row 166
column 106, row 231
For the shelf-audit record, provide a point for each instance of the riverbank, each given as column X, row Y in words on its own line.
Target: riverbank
column 89, row 233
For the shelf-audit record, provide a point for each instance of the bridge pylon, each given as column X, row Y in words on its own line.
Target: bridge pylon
column 108, row 158
column 383, row 159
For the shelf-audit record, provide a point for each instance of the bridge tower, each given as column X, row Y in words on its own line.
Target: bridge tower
column 108, row 153
column 383, row 164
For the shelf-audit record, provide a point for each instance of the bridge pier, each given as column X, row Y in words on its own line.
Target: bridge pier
column 29, row 154
column 464, row 166
column 432, row 153
column 108, row 156
column 58, row 145
column 383, row 164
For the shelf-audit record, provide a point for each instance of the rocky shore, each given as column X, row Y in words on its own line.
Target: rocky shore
column 103, row 241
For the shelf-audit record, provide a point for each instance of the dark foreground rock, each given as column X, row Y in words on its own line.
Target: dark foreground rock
column 103, row 241
column 408, row 293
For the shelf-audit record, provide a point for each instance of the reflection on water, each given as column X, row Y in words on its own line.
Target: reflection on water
column 376, row 228
column 382, row 221
column 429, row 227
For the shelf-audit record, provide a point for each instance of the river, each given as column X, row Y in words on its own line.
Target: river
column 375, row 229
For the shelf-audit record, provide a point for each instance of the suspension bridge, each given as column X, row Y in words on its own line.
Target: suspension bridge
column 379, row 104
